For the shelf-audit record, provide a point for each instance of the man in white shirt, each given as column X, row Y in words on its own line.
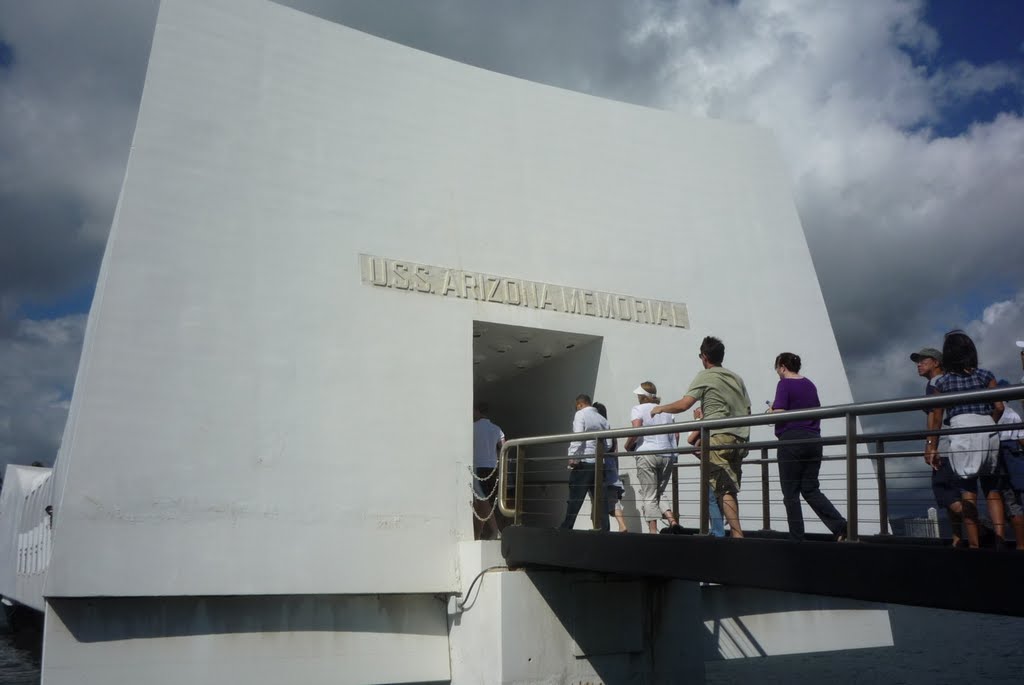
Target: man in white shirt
column 1020, row 344
column 487, row 441
column 581, row 462
column 1011, row 465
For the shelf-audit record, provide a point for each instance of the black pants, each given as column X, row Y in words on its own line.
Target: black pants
column 798, row 473
column 581, row 482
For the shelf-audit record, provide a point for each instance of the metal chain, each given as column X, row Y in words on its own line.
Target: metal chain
column 484, row 519
column 494, row 489
column 486, row 498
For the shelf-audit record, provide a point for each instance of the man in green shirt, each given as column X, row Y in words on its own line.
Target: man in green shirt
column 722, row 394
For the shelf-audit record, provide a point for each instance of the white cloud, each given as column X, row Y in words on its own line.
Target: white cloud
column 37, row 372
column 68, row 102
column 995, row 333
column 901, row 223
column 964, row 80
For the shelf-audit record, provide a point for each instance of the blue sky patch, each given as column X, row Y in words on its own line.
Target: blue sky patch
column 981, row 33
column 76, row 301
column 6, row 55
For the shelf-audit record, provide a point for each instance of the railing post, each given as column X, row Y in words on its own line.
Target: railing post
column 599, row 508
column 517, row 519
column 766, row 510
column 675, row 493
column 851, row 478
column 705, row 455
column 883, row 489
column 501, row 501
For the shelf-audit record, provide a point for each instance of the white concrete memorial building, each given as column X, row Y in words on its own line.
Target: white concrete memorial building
column 326, row 245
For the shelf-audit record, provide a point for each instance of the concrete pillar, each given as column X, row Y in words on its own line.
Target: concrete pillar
column 571, row 627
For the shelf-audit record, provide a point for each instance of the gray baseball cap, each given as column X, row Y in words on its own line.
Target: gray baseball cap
column 925, row 352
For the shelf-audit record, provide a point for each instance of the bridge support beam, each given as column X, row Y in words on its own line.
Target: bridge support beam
column 933, row 576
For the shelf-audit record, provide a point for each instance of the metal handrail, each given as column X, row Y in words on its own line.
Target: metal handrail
column 862, row 438
column 850, row 412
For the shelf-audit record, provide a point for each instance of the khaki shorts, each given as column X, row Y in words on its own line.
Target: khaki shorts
column 725, row 466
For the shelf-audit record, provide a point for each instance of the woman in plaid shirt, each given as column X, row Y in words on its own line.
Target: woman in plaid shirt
column 973, row 454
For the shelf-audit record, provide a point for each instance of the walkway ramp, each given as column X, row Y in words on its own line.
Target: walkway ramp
column 922, row 575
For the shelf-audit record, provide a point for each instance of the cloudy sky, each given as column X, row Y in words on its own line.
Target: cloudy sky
column 901, row 123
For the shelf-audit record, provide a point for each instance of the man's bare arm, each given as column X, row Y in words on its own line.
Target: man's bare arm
column 677, row 407
column 931, row 450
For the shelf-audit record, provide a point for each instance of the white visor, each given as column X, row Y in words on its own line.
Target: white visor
column 640, row 391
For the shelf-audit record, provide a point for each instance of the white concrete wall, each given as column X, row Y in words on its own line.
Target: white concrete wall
column 748, row 622
column 246, row 640
column 928, row 648
column 250, row 418
column 554, row 627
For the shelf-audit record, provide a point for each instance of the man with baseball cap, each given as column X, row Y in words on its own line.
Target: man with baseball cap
column 945, row 485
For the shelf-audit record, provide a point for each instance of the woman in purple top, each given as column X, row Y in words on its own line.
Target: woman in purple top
column 799, row 463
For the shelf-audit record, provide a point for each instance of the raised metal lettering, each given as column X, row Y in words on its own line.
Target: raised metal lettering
column 378, row 276
column 468, row 283
column 531, row 295
column 680, row 319
column 422, row 279
column 575, row 304
column 545, row 298
column 513, row 287
column 492, row 289
column 399, row 276
column 640, row 309
column 622, row 304
column 663, row 317
column 448, row 284
column 434, row 280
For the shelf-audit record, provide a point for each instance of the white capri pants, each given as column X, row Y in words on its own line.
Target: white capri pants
column 653, row 471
